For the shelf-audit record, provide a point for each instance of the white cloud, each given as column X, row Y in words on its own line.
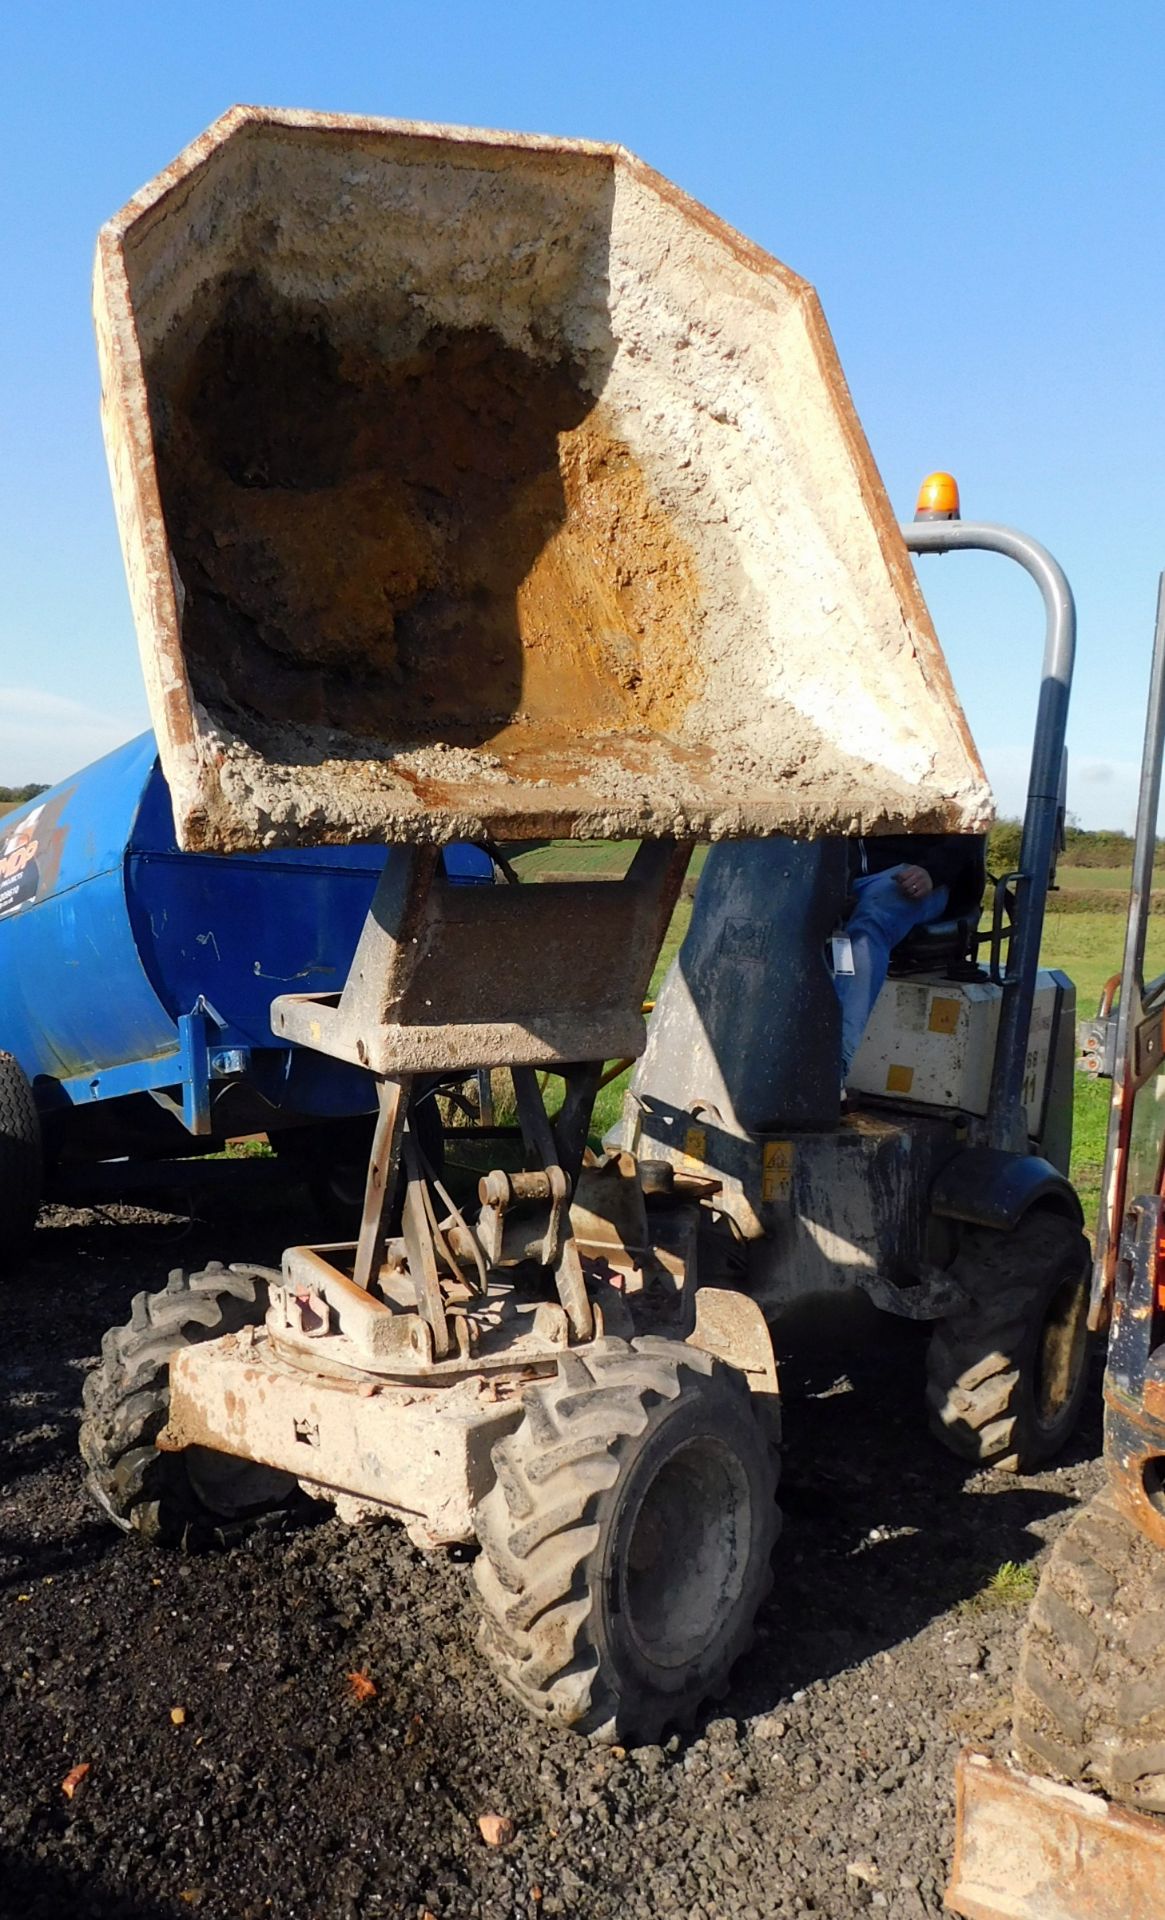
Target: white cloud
column 1099, row 773
column 46, row 736
column 1101, row 793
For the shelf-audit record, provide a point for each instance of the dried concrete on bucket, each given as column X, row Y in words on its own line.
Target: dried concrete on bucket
column 476, row 485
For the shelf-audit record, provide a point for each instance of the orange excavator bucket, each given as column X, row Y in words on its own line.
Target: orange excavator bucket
column 1028, row 1849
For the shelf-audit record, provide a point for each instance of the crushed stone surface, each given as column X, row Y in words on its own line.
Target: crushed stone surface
column 822, row 1784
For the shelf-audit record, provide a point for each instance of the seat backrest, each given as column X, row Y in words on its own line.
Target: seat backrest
column 947, row 944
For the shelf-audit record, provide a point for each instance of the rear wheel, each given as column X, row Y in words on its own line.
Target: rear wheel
column 1007, row 1374
column 196, row 1497
column 626, row 1542
column 21, row 1160
column 332, row 1161
column 1090, row 1696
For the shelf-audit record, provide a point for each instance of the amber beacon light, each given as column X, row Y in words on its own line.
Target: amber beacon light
column 938, row 498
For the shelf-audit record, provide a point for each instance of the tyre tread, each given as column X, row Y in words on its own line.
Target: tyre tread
column 125, row 1404
column 975, row 1391
column 1089, row 1702
column 537, row 1525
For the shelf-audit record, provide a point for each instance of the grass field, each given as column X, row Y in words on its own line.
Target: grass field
column 585, row 859
column 1089, row 948
column 1114, row 879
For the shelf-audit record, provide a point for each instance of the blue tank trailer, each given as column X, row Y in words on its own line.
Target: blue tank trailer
column 136, row 981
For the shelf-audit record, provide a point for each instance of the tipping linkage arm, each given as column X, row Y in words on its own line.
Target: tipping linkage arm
column 551, row 1146
column 556, row 980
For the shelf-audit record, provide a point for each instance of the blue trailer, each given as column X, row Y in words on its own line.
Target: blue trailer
column 136, row 982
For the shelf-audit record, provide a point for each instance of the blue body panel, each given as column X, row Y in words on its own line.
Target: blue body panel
column 73, row 991
column 121, row 956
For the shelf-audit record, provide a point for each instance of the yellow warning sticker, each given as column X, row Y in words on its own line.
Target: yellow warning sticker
column 900, row 1080
column 944, row 1014
column 776, row 1170
column 696, row 1144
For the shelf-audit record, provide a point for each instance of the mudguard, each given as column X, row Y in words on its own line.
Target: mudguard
column 989, row 1187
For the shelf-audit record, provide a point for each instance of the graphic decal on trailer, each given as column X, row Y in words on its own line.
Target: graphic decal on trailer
column 30, row 853
column 19, row 863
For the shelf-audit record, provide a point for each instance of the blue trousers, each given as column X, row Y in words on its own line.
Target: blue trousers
column 883, row 916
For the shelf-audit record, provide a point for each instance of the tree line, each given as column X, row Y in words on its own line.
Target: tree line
column 1100, row 847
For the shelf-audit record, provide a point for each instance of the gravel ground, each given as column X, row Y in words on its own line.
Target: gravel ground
column 233, row 1773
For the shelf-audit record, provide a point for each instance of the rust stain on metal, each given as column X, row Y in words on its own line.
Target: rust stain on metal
column 1027, row 1849
column 450, row 546
column 1133, row 1454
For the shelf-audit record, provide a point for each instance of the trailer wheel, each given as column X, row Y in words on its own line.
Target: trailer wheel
column 626, row 1540
column 197, row 1497
column 332, row 1161
column 21, row 1160
column 1007, row 1375
column 1090, row 1696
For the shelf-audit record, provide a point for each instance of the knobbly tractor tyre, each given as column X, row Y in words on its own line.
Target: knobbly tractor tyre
column 627, row 1538
column 21, row 1161
column 195, row 1498
column 1090, row 1695
column 1007, row 1375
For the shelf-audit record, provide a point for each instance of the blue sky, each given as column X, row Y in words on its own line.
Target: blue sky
column 976, row 191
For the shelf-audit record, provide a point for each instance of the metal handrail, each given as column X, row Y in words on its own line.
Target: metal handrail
column 1006, row 1122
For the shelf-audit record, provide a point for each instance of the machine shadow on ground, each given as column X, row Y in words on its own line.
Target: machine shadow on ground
column 37, row 1892
column 884, row 1534
column 884, row 1531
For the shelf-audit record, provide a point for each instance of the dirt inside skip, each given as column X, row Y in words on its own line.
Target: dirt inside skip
column 437, row 547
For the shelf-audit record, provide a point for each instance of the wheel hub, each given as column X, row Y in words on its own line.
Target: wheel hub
column 687, row 1553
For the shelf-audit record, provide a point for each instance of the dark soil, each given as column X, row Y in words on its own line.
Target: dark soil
column 821, row 1785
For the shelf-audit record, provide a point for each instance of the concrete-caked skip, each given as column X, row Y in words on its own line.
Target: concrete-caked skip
column 474, row 483
column 482, row 486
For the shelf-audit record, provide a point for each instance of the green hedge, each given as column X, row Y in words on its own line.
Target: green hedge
column 1098, row 900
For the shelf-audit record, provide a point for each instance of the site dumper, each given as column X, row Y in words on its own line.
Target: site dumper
column 484, row 487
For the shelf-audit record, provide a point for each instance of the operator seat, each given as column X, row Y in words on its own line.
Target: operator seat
column 949, row 945
column 945, row 945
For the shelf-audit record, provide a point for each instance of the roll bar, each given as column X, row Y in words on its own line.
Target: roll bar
column 1006, row 1125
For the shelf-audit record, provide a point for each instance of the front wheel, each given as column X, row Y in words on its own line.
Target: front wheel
column 1008, row 1373
column 196, row 1497
column 626, row 1541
